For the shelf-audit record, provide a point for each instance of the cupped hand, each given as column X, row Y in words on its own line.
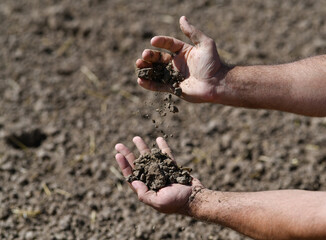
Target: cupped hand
column 199, row 64
column 170, row 199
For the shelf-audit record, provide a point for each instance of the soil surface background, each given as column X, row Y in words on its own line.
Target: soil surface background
column 69, row 94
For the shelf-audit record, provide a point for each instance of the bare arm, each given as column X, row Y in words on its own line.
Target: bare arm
column 298, row 87
column 284, row 214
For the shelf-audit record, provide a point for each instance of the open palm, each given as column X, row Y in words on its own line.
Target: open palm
column 170, row 199
column 199, row 64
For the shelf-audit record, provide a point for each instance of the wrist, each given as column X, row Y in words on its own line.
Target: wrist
column 198, row 196
column 223, row 78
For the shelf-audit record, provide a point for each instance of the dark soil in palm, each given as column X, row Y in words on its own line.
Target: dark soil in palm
column 157, row 170
column 163, row 73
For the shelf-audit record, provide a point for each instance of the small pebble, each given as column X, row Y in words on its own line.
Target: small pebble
column 178, row 91
column 29, row 235
column 175, row 109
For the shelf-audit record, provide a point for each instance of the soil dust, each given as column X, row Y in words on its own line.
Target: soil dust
column 163, row 73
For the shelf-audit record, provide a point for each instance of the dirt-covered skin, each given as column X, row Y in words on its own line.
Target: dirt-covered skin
column 163, row 73
column 67, row 72
column 157, row 170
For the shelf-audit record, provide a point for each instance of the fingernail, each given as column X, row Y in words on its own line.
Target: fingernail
column 186, row 18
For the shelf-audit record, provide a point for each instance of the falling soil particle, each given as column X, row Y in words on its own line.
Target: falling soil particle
column 157, row 170
column 163, row 73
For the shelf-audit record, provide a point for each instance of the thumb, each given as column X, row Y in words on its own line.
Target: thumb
column 140, row 189
column 194, row 34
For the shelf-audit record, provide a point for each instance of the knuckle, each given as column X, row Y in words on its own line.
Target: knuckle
column 160, row 56
column 144, row 54
column 141, row 198
column 151, row 54
column 163, row 41
column 169, row 43
column 210, row 41
column 194, row 36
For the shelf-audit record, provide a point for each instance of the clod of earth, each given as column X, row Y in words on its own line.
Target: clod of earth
column 163, row 73
column 157, row 170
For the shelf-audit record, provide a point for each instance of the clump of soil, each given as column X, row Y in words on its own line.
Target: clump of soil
column 157, row 170
column 163, row 73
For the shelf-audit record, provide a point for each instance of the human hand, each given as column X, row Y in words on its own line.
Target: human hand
column 170, row 199
column 199, row 64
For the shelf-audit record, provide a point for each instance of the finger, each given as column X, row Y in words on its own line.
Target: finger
column 154, row 86
column 142, row 191
column 162, row 144
column 156, row 56
column 126, row 153
column 141, row 145
column 194, row 34
column 140, row 63
column 169, row 43
column 123, row 165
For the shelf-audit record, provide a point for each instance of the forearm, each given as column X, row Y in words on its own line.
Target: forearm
column 298, row 87
column 284, row 214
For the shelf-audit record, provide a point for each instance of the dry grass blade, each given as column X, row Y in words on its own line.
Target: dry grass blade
column 62, row 192
column 129, row 96
column 21, row 145
column 25, row 213
column 78, row 158
column 95, row 94
column 312, row 147
column 93, row 217
column 119, row 187
column 116, row 173
column 91, row 76
column 104, row 107
column 46, row 189
column 201, row 155
column 264, row 158
column 92, row 143
column 64, row 47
